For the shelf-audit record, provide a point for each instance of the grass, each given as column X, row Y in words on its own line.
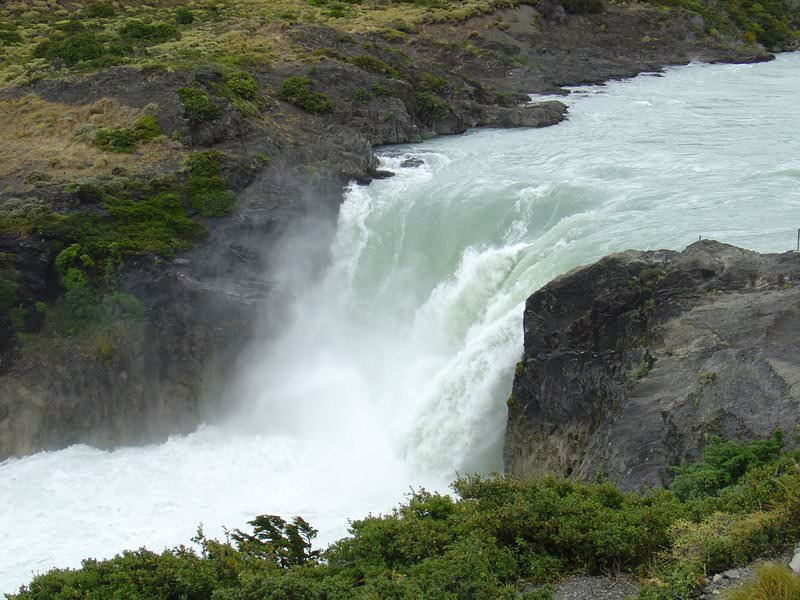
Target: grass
column 47, row 143
column 773, row 582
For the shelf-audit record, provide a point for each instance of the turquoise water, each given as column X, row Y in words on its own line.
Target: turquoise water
column 396, row 370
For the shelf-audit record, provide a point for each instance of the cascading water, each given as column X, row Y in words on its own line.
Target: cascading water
column 396, row 364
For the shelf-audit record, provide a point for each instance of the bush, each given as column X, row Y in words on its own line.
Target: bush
column 433, row 83
column 206, row 190
column 71, row 26
column 381, row 90
column 273, row 539
column 101, row 10
column 723, row 464
column 9, row 35
column 373, row 65
column 183, row 16
column 198, row 106
column 148, row 33
column 76, row 48
column 242, row 84
column 125, row 139
column 362, row 96
column 431, row 108
column 297, row 91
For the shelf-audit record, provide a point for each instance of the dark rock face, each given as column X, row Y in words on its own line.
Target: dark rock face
column 630, row 364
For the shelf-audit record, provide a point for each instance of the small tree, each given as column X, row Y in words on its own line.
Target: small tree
column 273, row 539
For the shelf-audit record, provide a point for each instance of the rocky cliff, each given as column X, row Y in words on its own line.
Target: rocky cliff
column 81, row 168
column 630, row 364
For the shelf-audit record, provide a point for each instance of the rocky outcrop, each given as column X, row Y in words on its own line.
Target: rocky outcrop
column 630, row 364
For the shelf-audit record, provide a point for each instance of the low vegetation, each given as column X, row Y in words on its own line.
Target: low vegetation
column 497, row 538
column 205, row 189
column 116, row 220
column 124, row 139
column 299, row 91
column 198, row 105
column 773, row 582
column 431, row 108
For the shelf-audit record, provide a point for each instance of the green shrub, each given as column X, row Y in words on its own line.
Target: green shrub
column 773, row 582
column 723, row 540
column 198, row 105
column 146, row 128
column 404, row 26
column 362, row 96
column 70, row 26
column 183, row 16
column 433, row 83
column 723, row 464
column 381, row 90
column 431, row 108
column 148, row 33
column 125, row 139
column 273, row 539
column 76, row 48
column 177, row 573
column 101, row 10
column 9, row 36
column 90, row 264
column 206, row 190
column 297, row 91
column 242, row 84
column 392, row 35
column 373, row 65
column 121, row 305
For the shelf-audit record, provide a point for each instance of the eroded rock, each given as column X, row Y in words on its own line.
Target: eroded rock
column 632, row 363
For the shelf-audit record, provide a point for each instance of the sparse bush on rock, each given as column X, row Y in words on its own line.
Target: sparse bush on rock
column 198, row 105
column 298, row 91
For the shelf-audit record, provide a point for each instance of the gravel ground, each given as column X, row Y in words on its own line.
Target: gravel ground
column 581, row 587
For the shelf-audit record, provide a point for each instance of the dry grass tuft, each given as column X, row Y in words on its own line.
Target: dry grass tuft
column 773, row 582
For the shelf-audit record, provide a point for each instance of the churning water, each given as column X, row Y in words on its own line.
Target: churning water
column 395, row 371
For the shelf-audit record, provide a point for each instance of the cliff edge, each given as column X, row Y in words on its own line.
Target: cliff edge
column 632, row 363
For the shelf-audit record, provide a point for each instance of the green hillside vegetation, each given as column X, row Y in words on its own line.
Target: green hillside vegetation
column 498, row 538
column 48, row 37
column 136, row 218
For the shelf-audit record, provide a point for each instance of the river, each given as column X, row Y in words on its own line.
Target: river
column 395, row 369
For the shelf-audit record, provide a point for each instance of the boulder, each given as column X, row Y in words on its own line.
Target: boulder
column 631, row 364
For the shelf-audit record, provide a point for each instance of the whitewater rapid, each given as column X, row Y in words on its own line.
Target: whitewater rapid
column 394, row 371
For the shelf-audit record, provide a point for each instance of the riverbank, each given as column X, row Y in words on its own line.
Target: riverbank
column 140, row 253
